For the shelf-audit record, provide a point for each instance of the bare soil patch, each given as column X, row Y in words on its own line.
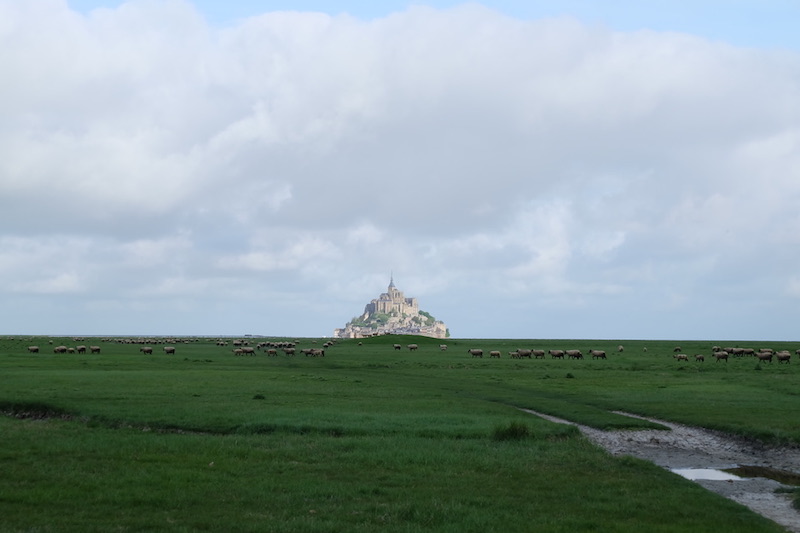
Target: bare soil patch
column 686, row 447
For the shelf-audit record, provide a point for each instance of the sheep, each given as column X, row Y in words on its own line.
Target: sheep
column 598, row 354
column 81, row 349
column 412, row 347
column 784, row 356
column 147, row 350
column 721, row 355
column 574, row 354
column 677, row 349
column 494, row 353
column 33, row 349
column 557, row 354
column 94, row 349
column 764, row 356
column 272, row 352
column 620, row 348
column 681, row 357
column 171, row 350
column 475, row 352
column 443, row 347
column 699, row 358
column 237, row 351
column 289, row 351
column 524, row 353
column 60, row 349
column 397, row 347
column 514, row 354
column 538, row 354
column 246, row 350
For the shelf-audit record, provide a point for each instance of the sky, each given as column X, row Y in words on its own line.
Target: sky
column 576, row 169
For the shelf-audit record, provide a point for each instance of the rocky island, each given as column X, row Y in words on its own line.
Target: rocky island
column 392, row 313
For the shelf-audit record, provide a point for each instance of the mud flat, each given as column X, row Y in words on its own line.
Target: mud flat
column 707, row 457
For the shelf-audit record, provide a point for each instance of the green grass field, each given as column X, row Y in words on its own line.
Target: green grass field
column 367, row 437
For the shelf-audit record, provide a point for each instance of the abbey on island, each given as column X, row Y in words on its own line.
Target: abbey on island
column 392, row 313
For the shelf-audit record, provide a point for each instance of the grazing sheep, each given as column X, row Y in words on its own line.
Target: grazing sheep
column 412, row 347
column 620, row 348
column 721, row 355
column 147, row 350
column 171, row 350
column 443, row 347
column 699, row 358
column 94, row 349
column 475, row 352
column 677, row 349
column 272, row 352
column 397, row 347
column 494, row 353
column 764, row 356
column 33, row 349
column 81, row 349
column 681, row 357
column 598, row 354
column 574, row 354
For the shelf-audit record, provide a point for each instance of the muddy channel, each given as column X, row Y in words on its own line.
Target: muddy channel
column 743, row 471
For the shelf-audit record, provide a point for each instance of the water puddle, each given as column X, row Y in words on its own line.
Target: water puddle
column 712, row 474
column 748, row 471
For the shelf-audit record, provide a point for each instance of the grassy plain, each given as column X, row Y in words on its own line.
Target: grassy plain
column 367, row 437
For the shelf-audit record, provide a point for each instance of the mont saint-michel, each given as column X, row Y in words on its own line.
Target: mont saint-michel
column 392, row 313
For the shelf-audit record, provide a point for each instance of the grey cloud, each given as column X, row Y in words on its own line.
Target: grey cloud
column 537, row 165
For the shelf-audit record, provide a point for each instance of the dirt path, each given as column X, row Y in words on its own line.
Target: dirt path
column 697, row 448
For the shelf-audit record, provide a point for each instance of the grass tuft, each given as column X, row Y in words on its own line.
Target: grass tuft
column 511, row 431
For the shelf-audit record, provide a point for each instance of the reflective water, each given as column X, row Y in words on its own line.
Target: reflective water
column 705, row 473
column 787, row 478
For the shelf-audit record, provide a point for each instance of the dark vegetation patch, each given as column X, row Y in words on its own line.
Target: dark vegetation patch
column 511, row 431
column 34, row 411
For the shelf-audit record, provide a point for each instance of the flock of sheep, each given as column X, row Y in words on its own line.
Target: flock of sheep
column 242, row 347
column 722, row 354
column 271, row 348
column 67, row 349
column 525, row 353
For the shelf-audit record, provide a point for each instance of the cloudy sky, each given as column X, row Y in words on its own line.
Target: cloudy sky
column 525, row 169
